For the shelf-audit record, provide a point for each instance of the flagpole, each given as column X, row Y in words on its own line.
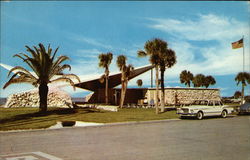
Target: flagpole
column 152, row 78
column 243, row 54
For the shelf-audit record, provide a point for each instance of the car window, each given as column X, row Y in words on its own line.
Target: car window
column 200, row 102
column 210, row 103
column 196, row 102
column 218, row 103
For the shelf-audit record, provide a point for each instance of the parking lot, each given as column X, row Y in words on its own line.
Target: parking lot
column 211, row 138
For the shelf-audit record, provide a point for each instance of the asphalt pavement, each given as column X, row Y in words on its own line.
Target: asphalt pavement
column 208, row 139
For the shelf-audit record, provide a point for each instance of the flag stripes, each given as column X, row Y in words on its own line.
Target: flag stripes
column 237, row 44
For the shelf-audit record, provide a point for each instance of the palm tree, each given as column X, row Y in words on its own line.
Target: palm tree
column 139, row 82
column 237, row 94
column 105, row 61
column 43, row 63
column 186, row 77
column 126, row 70
column 198, row 80
column 167, row 60
column 209, row 80
column 243, row 78
column 153, row 49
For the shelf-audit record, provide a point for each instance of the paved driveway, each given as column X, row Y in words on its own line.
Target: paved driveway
column 214, row 138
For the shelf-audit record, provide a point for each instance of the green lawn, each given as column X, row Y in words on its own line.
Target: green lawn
column 29, row 118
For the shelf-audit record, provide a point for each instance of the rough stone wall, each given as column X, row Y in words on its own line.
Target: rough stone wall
column 175, row 96
column 56, row 98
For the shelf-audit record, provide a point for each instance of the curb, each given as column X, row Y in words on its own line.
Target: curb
column 140, row 122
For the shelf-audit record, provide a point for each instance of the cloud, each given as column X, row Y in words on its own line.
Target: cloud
column 90, row 41
column 204, row 27
column 88, row 53
column 219, row 60
column 216, row 57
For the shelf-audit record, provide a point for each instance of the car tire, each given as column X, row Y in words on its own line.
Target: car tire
column 199, row 115
column 224, row 114
column 182, row 117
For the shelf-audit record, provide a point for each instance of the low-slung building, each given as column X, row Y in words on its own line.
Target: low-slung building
column 142, row 96
column 173, row 96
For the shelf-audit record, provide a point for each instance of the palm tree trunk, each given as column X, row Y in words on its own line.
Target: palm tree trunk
column 43, row 95
column 124, row 91
column 122, row 94
column 106, row 87
column 242, row 94
column 162, row 91
column 157, row 89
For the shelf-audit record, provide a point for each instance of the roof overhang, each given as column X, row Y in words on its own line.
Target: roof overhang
column 114, row 79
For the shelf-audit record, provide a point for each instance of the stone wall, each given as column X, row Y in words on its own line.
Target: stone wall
column 176, row 96
column 173, row 96
column 56, row 98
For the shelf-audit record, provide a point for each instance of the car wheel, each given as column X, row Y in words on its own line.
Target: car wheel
column 199, row 115
column 182, row 117
column 224, row 114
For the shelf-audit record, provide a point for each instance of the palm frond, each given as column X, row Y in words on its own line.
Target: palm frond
column 71, row 76
column 19, row 56
column 65, row 80
column 54, row 71
column 121, row 61
column 242, row 77
column 20, row 79
column 59, row 60
column 141, row 53
column 44, row 66
column 155, row 59
column 56, row 68
column 127, row 70
column 27, row 60
column 19, row 68
column 53, row 57
column 33, row 53
column 42, row 48
column 49, row 50
column 105, row 59
column 35, row 65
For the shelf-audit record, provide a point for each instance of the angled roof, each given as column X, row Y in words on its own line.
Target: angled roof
column 114, row 79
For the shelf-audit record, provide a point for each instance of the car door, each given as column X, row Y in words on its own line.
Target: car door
column 217, row 107
column 210, row 110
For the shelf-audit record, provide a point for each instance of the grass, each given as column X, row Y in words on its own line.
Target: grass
column 29, row 118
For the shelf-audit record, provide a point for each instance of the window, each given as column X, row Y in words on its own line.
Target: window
column 211, row 103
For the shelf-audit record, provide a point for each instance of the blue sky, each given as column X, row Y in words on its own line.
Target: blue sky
column 201, row 33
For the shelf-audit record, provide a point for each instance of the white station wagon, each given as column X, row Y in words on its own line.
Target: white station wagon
column 203, row 108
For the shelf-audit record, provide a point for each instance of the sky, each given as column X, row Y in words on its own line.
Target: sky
column 200, row 33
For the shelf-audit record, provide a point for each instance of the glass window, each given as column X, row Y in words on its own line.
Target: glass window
column 210, row 103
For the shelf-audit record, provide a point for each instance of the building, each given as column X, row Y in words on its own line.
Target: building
column 173, row 96
column 145, row 96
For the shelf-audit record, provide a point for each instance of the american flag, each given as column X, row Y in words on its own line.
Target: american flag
column 237, row 44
